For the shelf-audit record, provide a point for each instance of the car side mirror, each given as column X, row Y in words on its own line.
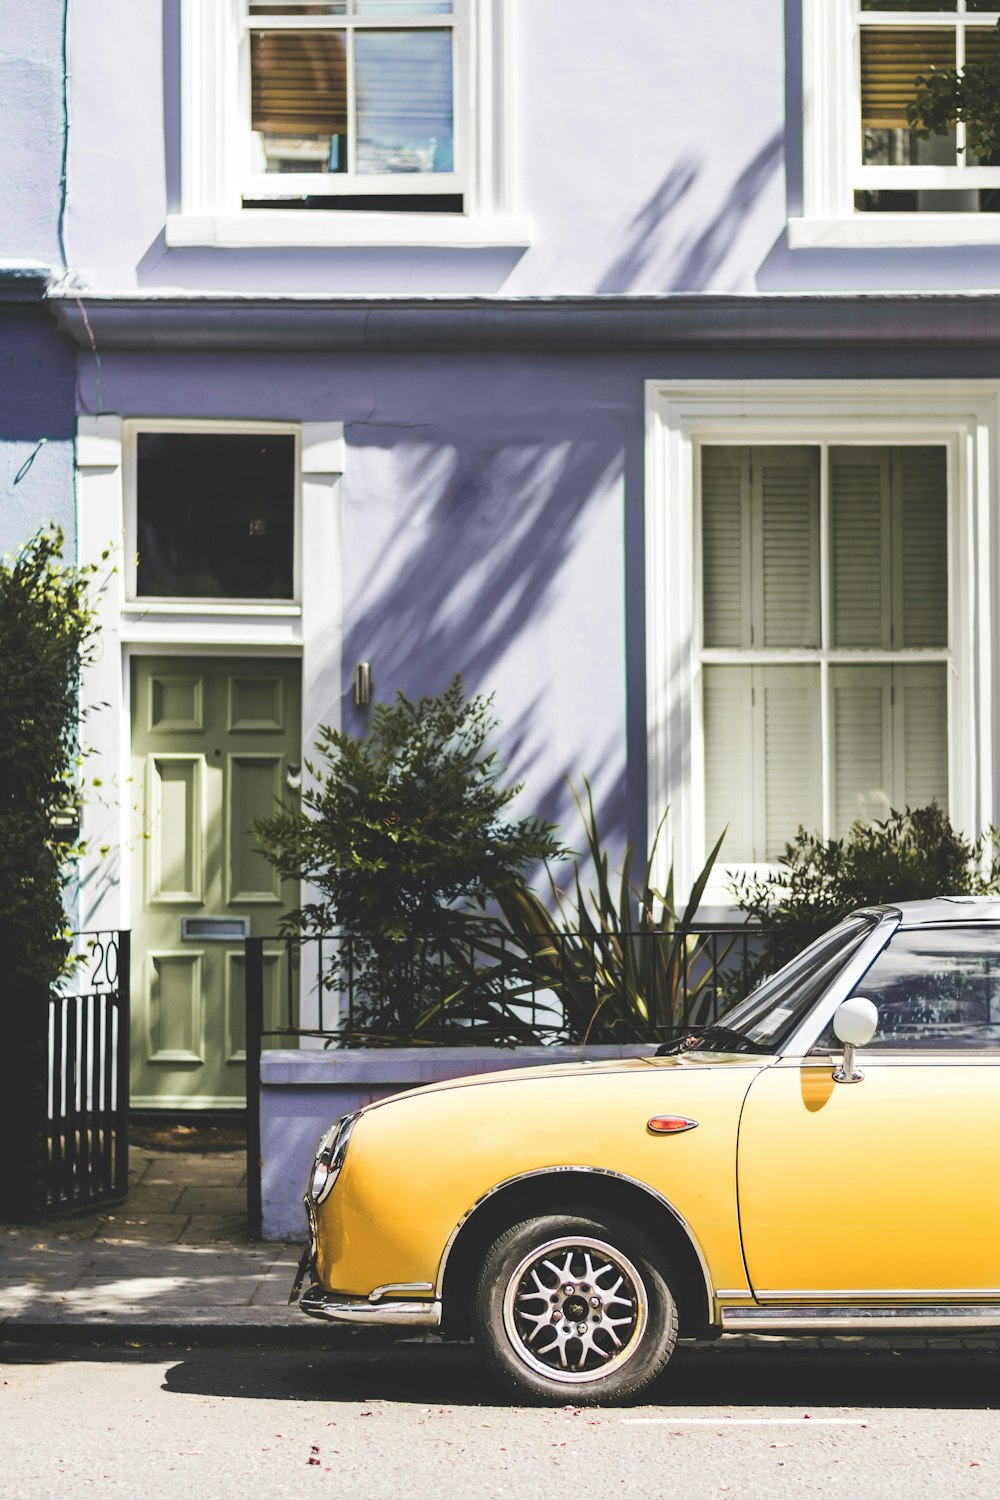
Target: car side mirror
column 855, row 1022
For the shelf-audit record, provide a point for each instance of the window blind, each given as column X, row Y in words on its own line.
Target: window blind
column 298, row 82
column 890, row 739
column 889, row 543
column 891, row 58
column 763, row 772
column 760, row 546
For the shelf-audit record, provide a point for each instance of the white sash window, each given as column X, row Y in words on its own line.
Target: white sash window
column 820, row 616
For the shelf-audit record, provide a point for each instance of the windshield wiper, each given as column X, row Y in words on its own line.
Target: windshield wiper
column 726, row 1038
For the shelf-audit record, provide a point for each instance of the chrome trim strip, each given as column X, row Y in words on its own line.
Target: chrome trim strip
column 399, row 1286
column 333, row 1306
column 869, row 1319
column 592, row 1171
column 726, row 1294
column 893, row 1294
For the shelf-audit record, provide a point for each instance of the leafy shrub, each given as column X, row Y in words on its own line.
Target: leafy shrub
column 402, row 836
column 619, row 963
column 912, row 854
column 46, row 624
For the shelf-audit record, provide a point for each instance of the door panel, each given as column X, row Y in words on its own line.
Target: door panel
column 890, row 1184
column 212, row 741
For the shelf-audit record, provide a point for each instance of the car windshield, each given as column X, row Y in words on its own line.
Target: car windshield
column 770, row 1013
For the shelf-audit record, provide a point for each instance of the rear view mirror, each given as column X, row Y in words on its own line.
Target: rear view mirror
column 855, row 1022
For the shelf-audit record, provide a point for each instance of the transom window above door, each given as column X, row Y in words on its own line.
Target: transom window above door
column 824, row 645
column 215, row 515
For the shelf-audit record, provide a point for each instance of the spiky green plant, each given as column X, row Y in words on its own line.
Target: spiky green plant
column 620, row 963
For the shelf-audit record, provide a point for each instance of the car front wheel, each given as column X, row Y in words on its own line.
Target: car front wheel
column 574, row 1308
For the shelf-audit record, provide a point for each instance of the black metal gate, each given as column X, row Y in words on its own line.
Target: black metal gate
column 85, row 1148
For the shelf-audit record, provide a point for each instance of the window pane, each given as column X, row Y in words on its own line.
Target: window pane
column 215, row 515
column 299, row 99
column 388, row 8
column 760, row 546
column 938, row 989
column 785, row 488
column 891, row 59
column 889, row 539
column 404, row 93
column 762, row 757
column 859, row 526
column 298, row 7
column 725, row 542
column 920, row 534
column 889, row 731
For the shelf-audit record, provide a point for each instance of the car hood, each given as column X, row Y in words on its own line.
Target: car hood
column 588, row 1066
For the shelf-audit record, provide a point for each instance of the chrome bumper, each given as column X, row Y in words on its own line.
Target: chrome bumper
column 333, row 1306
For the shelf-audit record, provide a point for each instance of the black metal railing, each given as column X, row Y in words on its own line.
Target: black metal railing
column 85, row 1126
column 492, row 987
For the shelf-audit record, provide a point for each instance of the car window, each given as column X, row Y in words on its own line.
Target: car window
column 766, row 1017
column 934, row 988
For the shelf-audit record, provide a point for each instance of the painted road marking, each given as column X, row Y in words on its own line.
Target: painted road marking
column 743, row 1421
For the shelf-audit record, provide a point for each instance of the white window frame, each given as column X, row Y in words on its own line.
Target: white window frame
column 831, row 163
column 289, row 185
column 183, row 604
column 216, row 148
column 965, row 418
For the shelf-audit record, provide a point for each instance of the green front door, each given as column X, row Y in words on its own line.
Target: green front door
column 215, row 743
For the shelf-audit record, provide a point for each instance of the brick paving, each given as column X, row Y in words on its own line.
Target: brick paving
column 176, row 1254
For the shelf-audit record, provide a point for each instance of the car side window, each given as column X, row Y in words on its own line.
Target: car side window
column 935, row 988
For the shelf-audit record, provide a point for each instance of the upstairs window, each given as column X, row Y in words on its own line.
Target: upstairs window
column 893, row 169
column 356, row 103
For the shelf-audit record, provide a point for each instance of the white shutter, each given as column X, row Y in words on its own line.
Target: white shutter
column 786, row 707
column 785, row 546
column 860, row 516
column 920, row 725
column 861, row 744
column 729, row 785
column 920, row 534
column 725, row 545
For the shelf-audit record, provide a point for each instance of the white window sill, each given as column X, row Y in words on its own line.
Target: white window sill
column 286, row 227
column 234, row 609
column 874, row 231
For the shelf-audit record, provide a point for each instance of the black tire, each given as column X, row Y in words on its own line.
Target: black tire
column 597, row 1285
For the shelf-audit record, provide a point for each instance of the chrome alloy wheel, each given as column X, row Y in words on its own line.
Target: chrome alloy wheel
column 575, row 1309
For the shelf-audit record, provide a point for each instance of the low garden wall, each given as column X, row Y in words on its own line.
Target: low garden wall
column 302, row 1092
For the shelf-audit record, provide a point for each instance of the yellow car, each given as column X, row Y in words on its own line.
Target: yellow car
column 579, row 1219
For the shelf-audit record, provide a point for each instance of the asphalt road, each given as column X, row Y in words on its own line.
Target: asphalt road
column 420, row 1420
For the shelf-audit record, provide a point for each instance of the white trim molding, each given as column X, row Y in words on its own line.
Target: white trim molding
column 310, row 628
column 964, row 416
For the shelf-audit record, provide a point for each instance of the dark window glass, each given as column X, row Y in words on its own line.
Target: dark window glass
column 215, row 515
column 937, row 988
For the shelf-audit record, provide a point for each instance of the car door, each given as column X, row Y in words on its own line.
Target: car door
column 889, row 1186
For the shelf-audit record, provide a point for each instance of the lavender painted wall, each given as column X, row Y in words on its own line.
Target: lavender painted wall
column 37, row 368
column 659, row 152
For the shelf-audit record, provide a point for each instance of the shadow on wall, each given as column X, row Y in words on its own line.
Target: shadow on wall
column 473, row 577
column 690, row 263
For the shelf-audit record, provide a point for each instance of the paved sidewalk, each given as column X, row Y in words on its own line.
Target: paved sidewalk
column 176, row 1255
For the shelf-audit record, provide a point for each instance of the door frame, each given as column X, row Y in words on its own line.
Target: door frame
column 309, row 628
